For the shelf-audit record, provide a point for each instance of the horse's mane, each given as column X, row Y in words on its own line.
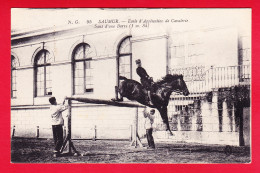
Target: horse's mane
column 169, row 78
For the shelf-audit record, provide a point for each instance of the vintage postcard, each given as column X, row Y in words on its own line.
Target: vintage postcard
column 131, row 85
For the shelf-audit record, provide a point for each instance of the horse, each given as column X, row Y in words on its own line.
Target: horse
column 160, row 93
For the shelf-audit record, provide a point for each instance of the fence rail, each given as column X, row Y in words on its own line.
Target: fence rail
column 199, row 80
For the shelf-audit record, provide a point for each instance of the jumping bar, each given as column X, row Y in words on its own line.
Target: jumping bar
column 107, row 102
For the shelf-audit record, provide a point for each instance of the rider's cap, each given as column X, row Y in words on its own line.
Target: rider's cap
column 138, row 61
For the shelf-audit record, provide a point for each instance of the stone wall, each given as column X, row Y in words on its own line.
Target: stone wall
column 219, row 117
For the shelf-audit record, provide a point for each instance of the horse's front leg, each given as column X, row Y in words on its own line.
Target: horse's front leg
column 169, row 130
column 164, row 115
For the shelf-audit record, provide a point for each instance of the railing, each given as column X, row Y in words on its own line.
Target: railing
column 199, row 80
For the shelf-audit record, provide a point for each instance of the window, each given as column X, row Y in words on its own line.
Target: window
column 14, row 65
column 82, row 69
column 124, row 60
column 42, row 68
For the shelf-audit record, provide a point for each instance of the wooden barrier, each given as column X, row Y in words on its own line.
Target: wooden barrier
column 106, row 102
column 68, row 138
column 135, row 139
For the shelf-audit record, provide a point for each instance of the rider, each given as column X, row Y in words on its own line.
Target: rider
column 146, row 80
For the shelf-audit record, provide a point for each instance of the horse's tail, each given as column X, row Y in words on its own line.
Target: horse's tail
column 122, row 78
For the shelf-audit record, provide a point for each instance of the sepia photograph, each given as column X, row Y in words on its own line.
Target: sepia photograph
column 131, row 85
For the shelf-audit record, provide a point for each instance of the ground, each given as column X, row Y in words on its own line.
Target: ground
column 111, row 151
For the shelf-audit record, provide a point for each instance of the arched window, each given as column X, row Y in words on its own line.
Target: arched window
column 124, row 61
column 42, row 67
column 14, row 65
column 82, row 69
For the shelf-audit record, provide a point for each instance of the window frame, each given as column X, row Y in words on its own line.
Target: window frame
column 36, row 67
column 119, row 55
column 83, row 60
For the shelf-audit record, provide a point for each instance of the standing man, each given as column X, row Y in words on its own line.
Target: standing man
column 57, row 123
column 146, row 80
column 149, row 120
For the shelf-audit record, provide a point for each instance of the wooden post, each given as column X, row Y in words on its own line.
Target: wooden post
column 94, row 133
column 136, row 127
column 239, row 113
column 37, row 132
column 64, row 132
column 68, row 138
column 131, row 133
column 13, row 131
column 69, row 125
column 136, row 140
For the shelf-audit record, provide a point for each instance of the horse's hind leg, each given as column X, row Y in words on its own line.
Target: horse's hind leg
column 116, row 95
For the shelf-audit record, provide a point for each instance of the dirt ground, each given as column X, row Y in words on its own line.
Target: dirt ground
column 111, row 151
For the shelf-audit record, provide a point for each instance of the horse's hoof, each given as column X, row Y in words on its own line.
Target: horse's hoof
column 117, row 100
column 170, row 134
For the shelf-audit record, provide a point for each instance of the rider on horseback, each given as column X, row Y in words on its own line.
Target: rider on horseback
column 146, row 80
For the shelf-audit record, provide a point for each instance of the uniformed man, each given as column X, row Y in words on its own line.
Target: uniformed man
column 146, row 80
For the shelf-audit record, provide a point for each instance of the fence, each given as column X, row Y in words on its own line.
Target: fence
column 199, row 80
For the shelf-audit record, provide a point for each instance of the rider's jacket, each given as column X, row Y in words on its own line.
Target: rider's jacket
column 145, row 78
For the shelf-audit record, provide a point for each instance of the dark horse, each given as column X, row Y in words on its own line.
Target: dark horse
column 160, row 93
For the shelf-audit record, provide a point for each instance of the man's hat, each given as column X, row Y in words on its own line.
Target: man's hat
column 52, row 100
column 138, row 61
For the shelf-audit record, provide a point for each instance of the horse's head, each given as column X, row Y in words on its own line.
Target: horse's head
column 176, row 83
column 183, row 86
